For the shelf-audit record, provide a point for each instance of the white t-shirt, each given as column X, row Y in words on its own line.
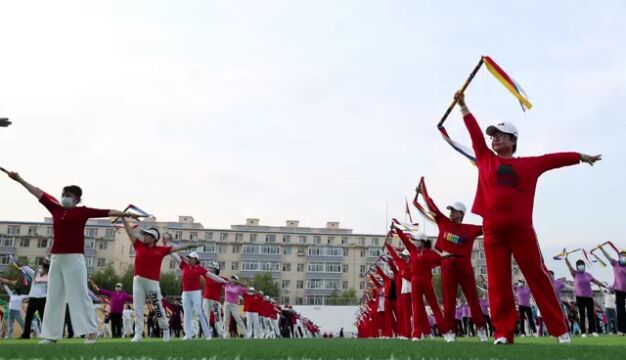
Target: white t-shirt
column 38, row 284
column 609, row 301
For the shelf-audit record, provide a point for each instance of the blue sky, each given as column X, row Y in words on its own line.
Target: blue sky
column 317, row 111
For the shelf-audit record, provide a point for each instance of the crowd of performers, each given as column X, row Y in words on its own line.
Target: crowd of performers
column 400, row 284
column 62, row 297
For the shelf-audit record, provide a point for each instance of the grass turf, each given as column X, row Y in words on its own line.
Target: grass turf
column 610, row 347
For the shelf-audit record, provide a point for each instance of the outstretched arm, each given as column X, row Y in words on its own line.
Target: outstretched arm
column 478, row 139
column 185, row 247
column 606, row 254
column 406, row 241
column 31, row 189
column 129, row 230
column 215, row 278
column 429, row 201
column 569, row 266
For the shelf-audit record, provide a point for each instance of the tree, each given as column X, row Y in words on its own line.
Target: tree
column 349, row 297
column 106, row 278
column 333, row 298
column 170, row 284
column 265, row 283
column 14, row 274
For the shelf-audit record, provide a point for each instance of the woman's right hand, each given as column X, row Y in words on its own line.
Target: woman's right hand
column 14, row 175
column 460, row 98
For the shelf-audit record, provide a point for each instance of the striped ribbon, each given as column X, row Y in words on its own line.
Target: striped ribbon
column 461, row 149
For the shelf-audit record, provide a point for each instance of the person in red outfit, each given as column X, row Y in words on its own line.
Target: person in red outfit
column 505, row 198
column 400, row 266
column 390, row 324
column 423, row 260
column 455, row 242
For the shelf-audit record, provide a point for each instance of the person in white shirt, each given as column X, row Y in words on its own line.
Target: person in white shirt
column 610, row 309
column 15, row 310
column 37, row 294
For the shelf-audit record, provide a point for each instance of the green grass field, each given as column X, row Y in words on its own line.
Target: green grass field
column 611, row 347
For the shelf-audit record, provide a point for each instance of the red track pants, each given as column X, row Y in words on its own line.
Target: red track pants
column 500, row 243
column 420, row 287
column 404, row 315
column 457, row 271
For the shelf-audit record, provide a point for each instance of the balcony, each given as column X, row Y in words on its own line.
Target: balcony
column 324, row 275
column 260, row 257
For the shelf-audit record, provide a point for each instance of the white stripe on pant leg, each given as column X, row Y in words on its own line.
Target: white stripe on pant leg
column 139, row 302
column 82, row 310
column 54, row 311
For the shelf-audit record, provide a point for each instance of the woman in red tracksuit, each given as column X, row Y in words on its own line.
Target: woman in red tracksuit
column 423, row 260
column 390, row 323
column 455, row 242
column 378, row 311
column 402, row 271
column 504, row 198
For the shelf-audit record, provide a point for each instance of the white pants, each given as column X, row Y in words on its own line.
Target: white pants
column 127, row 327
column 67, row 283
column 209, row 306
column 151, row 290
column 253, row 326
column 192, row 303
column 232, row 310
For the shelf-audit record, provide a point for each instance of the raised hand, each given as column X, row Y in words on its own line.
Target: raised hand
column 590, row 159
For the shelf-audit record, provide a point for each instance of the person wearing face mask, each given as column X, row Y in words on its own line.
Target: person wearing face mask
column 504, row 198
column 67, row 277
column 117, row 299
column 584, row 296
column 522, row 293
column 619, row 287
column 36, row 295
column 422, row 261
column 148, row 259
column 455, row 242
column 192, row 272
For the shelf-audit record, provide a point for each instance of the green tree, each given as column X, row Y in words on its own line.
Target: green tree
column 265, row 283
column 170, row 284
column 15, row 274
column 334, row 298
column 106, row 278
column 349, row 297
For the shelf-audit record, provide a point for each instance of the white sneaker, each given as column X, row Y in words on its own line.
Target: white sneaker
column 482, row 335
column 208, row 338
column 415, row 339
column 565, row 338
column 166, row 335
column 136, row 339
column 501, row 341
column 91, row 338
column 583, row 335
column 451, row 337
column 47, row 341
column 595, row 334
column 184, row 338
column 446, row 337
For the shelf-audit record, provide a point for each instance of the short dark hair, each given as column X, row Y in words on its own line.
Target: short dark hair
column 427, row 244
column 217, row 271
column 513, row 138
column 74, row 190
column 580, row 262
column 551, row 272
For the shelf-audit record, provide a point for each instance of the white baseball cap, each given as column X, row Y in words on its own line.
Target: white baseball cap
column 151, row 231
column 458, row 206
column 251, row 288
column 235, row 277
column 194, row 255
column 405, row 252
column 214, row 265
column 420, row 236
column 504, row 127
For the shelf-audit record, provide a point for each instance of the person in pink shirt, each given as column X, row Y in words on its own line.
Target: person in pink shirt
column 584, row 296
column 232, row 292
column 619, row 287
column 522, row 294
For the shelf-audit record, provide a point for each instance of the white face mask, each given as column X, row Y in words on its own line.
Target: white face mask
column 581, row 268
column 67, row 202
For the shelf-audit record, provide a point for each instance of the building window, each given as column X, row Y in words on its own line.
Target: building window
column 344, row 285
column 287, row 250
column 236, row 249
column 375, row 241
column 173, row 265
column 250, row 249
column 209, row 248
column 252, row 237
column 39, row 260
column 221, row 264
column 345, row 252
column 221, row 249
column 271, row 238
column 49, row 231
column 42, row 243
column 302, row 239
column 286, row 239
column 238, row 237
column 287, row 267
column 178, row 235
column 345, row 268
column 7, row 242
column 299, row 301
column 361, row 241
column 24, row 242
column 109, row 233
column 89, row 261
column 344, row 240
column 300, row 268
column 32, row 230
column 374, row 252
column 13, row 230
column 325, row 284
column 4, row 260
column 234, row 266
column 317, row 239
column 91, row 233
column 362, row 253
column 260, row 266
column 223, row 236
column 325, row 251
column 285, row 284
column 193, row 236
column 102, row 245
column 362, row 269
column 90, row 244
column 324, row 267
column 208, row 236
column 330, row 240
column 101, row 262
column 300, row 284
column 301, row 251
column 362, row 285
